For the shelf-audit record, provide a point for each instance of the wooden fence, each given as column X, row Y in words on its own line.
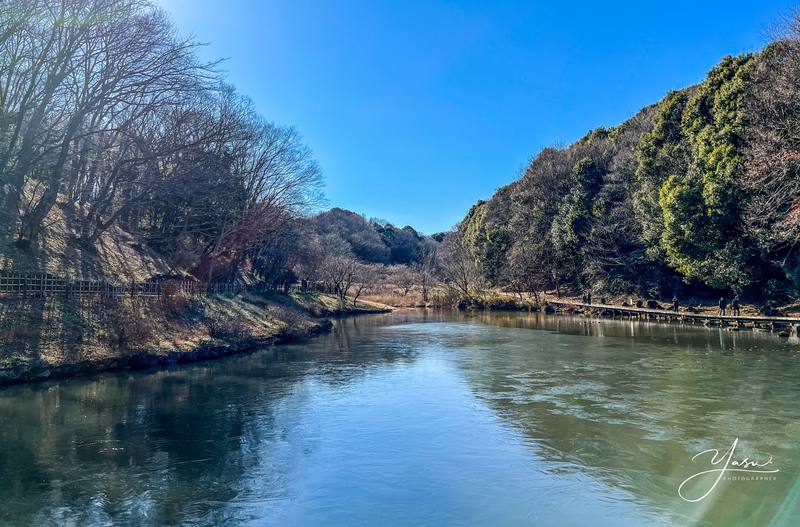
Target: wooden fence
column 42, row 284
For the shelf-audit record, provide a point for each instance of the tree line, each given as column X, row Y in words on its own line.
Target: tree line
column 110, row 121
column 342, row 252
column 108, row 116
column 697, row 194
column 107, row 113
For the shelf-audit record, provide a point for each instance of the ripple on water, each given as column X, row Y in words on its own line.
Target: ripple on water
column 445, row 419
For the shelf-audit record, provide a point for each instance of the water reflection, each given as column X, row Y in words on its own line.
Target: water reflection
column 146, row 444
column 438, row 418
column 633, row 404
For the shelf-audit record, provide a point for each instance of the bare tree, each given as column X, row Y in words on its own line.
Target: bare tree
column 772, row 177
column 402, row 277
column 425, row 270
column 459, row 268
column 366, row 276
column 91, row 67
column 339, row 267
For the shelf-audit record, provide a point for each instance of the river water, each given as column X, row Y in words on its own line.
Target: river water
column 422, row 419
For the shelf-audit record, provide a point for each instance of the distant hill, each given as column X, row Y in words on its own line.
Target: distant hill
column 370, row 240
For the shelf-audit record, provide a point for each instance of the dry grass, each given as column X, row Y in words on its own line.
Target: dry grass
column 321, row 304
column 60, row 331
column 443, row 297
column 390, row 295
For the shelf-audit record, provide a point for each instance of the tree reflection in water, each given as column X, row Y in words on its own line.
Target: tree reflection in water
column 545, row 399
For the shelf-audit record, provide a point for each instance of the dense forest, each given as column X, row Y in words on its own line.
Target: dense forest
column 697, row 194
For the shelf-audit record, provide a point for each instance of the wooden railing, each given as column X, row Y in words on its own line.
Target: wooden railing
column 681, row 314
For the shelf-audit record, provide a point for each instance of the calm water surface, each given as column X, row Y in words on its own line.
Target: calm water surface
column 419, row 419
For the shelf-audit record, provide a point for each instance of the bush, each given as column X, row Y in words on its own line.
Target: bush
column 175, row 302
column 129, row 325
column 495, row 304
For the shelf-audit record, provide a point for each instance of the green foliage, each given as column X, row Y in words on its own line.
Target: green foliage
column 666, row 197
column 688, row 176
column 700, row 206
column 714, row 125
column 572, row 225
column 488, row 242
column 472, row 225
column 660, row 153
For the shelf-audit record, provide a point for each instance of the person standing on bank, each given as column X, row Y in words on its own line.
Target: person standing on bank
column 675, row 306
column 722, row 306
column 589, row 297
column 735, row 306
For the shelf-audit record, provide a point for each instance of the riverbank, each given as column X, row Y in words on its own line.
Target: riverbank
column 45, row 338
column 55, row 334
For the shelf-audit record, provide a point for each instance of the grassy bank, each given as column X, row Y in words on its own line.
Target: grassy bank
column 55, row 337
column 63, row 335
column 322, row 305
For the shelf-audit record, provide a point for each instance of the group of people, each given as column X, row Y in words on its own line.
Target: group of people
column 723, row 306
column 735, row 307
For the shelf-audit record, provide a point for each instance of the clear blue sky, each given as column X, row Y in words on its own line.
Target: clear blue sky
column 416, row 109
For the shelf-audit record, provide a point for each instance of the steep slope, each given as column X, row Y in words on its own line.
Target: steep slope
column 672, row 201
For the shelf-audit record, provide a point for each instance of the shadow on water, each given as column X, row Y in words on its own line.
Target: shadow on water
column 155, row 445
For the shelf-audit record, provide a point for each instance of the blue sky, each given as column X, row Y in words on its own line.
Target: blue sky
column 416, row 109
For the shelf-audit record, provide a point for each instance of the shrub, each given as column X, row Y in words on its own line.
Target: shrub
column 128, row 325
column 227, row 329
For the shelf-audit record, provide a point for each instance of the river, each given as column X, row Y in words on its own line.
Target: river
column 419, row 418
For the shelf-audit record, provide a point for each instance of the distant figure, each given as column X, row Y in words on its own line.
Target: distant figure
column 735, row 306
column 583, row 298
column 589, row 297
column 675, row 306
column 722, row 306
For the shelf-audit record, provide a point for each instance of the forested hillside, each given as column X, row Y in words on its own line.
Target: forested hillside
column 699, row 193
column 109, row 123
